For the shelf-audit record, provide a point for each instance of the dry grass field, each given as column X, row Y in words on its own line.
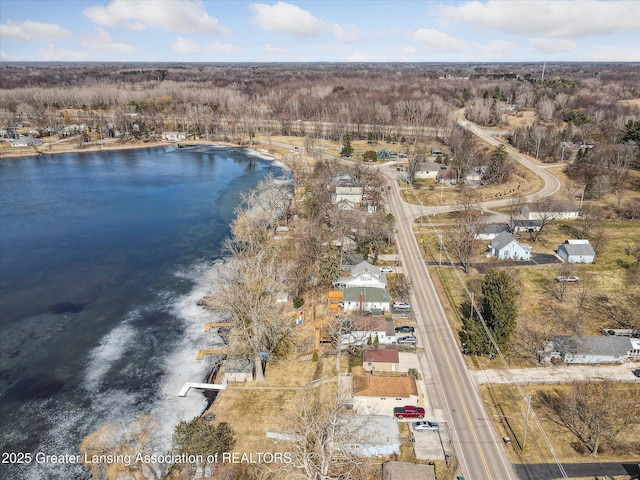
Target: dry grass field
column 507, row 412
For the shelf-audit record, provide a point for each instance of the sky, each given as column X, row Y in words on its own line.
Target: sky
column 320, row 30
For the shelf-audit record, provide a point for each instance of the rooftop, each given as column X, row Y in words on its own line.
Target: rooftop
column 381, row 353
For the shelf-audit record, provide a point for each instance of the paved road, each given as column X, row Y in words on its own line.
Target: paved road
column 453, row 393
column 578, row 470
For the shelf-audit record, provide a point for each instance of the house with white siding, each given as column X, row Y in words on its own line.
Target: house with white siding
column 426, row 170
column 382, row 359
column 594, row 349
column 363, row 275
column 350, row 194
column 556, row 209
column 365, row 299
column 362, row 330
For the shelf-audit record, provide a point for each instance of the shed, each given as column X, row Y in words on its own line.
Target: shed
column 239, row 370
column 573, row 252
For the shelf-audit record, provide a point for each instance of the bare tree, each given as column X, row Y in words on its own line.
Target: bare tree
column 111, row 450
column 461, row 238
column 246, row 291
column 595, row 413
column 322, row 441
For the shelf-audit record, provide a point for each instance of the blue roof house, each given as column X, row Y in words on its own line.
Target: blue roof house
column 505, row 247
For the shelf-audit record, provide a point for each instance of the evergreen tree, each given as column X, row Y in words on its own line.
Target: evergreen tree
column 347, row 149
column 499, row 312
column 499, row 308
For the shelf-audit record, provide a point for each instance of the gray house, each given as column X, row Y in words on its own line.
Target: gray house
column 574, row 349
column 505, row 247
column 576, row 251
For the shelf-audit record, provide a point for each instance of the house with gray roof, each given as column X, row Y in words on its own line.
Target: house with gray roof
column 577, row 251
column 426, row 170
column 366, row 435
column 560, row 209
column 490, row 231
column 505, row 247
column 365, row 299
column 362, row 275
column 594, row 350
column 525, row 226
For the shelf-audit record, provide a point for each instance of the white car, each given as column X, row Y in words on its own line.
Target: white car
column 425, row 425
column 386, row 269
column 401, row 306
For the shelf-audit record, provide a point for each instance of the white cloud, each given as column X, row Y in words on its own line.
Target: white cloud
column 187, row 47
column 287, row 18
column 29, row 31
column 51, row 53
column 612, row 54
column 101, row 41
column 347, row 34
column 558, row 18
column 552, row 45
column 497, row 49
column 439, row 40
column 186, row 16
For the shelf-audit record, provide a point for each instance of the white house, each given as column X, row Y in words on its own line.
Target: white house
column 576, row 251
column 351, row 194
column 365, row 299
column 593, row 350
column 560, row 209
column 426, row 170
column 379, row 395
column 504, row 246
column 521, row 226
column 490, row 231
column 364, row 328
column 174, row 136
column 363, row 275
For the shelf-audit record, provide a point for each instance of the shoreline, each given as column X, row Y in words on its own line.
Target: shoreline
column 55, row 149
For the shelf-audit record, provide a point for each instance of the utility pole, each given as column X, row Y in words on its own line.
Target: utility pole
column 526, row 422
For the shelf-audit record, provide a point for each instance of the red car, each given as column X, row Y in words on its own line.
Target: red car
column 408, row 411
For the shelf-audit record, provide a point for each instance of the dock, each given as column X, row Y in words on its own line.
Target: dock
column 217, row 351
column 209, row 326
column 203, row 386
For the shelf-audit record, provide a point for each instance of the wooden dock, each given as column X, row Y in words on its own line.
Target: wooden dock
column 216, row 351
column 209, row 326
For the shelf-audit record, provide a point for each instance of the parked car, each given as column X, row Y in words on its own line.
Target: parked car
column 425, row 425
column 570, row 278
column 636, row 372
column 408, row 340
column 401, row 306
column 405, row 329
column 386, row 269
column 408, row 411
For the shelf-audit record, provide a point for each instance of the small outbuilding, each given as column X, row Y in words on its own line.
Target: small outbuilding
column 238, row 370
column 577, row 251
column 382, row 359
